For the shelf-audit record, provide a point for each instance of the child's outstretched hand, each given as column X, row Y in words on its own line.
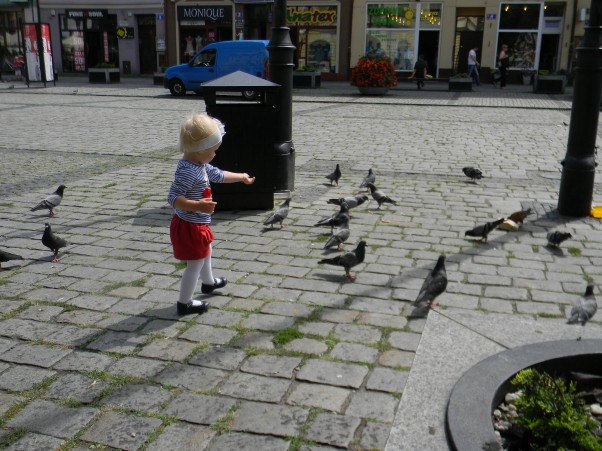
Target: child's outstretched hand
column 247, row 179
column 207, row 205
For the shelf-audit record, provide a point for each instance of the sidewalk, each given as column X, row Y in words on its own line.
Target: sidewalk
column 291, row 356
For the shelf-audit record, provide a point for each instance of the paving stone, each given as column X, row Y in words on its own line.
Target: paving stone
column 201, row 333
column 374, row 436
column 122, row 431
column 146, row 398
column 182, row 436
column 131, row 307
column 223, row 318
column 93, row 302
column 19, row 378
column 26, row 329
column 7, row 401
column 228, row 442
column 287, row 309
column 357, row 333
column 136, row 367
column 219, row 358
column 35, row 442
column 269, row 419
column 316, row 328
column 201, row 409
column 122, row 323
column 191, row 377
column 369, row 404
column 254, row 387
column 41, row 417
column 75, row 386
column 6, row 344
column 119, row 342
column 387, row 380
column 271, row 365
column 339, row 316
column 336, row 430
column 306, row 346
column 7, row 306
column 80, row 317
column 354, row 352
column 49, row 294
column 41, row 312
column 333, row 373
column 404, row 340
column 380, row 320
column 128, row 292
column 324, row 299
column 322, row 396
column 37, row 355
column 267, row 322
column 248, row 305
column 72, row 335
column 259, row 340
column 396, row 358
column 167, row 349
column 162, row 327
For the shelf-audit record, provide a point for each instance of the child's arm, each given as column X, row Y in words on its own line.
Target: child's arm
column 203, row 205
column 233, row 177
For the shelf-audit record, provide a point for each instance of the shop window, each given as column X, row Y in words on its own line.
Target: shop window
column 397, row 45
column 391, row 15
column 430, row 16
column 553, row 10
column 521, row 49
column 519, row 16
column 10, row 41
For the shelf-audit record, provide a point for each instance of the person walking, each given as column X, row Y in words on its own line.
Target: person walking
column 503, row 62
column 473, row 65
column 419, row 72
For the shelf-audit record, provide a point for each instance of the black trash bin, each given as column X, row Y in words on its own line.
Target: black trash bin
column 249, row 140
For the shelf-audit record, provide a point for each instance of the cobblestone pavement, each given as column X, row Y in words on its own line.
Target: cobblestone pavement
column 290, row 356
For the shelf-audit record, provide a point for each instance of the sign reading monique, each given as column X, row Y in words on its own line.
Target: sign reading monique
column 222, row 14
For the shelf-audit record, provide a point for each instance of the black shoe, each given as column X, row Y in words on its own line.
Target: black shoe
column 219, row 282
column 189, row 309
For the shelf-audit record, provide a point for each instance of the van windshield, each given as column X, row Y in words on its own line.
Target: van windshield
column 205, row 59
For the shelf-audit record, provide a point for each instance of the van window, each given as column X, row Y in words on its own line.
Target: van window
column 205, row 59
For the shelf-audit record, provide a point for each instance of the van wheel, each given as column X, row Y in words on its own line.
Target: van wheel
column 176, row 87
column 250, row 95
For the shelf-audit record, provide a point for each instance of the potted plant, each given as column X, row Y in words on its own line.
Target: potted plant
column 460, row 82
column 104, row 73
column 374, row 75
column 547, row 82
column 306, row 77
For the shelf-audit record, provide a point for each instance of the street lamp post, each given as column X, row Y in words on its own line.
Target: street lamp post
column 281, row 63
column 577, row 182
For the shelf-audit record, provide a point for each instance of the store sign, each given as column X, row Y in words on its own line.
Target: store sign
column 125, row 32
column 311, row 15
column 87, row 14
column 391, row 16
column 211, row 13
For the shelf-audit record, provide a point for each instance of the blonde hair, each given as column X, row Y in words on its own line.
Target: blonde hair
column 200, row 132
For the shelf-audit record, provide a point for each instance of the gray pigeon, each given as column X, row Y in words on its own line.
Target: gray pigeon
column 481, row 231
column 348, row 260
column 335, row 175
column 336, row 220
column 7, row 256
column 434, row 284
column 338, row 238
column 370, row 178
column 585, row 307
column 52, row 201
column 279, row 215
column 472, row 173
column 379, row 196
column 557, row 237
column 52, row 242
column 352, row 201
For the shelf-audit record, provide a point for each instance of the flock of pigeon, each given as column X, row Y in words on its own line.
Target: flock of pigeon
column 49, row 239
column 436, row 281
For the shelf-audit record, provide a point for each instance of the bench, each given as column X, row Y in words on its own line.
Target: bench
column 404, row 75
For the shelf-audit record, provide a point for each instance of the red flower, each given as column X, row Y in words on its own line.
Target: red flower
column 374, row 72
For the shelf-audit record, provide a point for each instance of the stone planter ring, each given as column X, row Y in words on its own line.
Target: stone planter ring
column 468, row 422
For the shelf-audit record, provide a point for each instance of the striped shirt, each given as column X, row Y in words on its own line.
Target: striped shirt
column 190, row 181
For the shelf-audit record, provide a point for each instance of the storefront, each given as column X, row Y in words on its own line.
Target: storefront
column 11, row 38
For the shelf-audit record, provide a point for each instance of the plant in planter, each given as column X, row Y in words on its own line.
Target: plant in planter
column 306, row 77
column 374, row 75
column 548, row 82
column 460, row 82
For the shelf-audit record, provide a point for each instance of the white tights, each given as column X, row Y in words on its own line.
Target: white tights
column 194, row 269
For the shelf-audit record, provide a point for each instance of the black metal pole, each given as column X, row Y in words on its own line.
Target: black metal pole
column 579, row 165
column 281, row 63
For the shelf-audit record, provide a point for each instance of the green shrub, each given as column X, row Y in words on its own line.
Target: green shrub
column 553, row 413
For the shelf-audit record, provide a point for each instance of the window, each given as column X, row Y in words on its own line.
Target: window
column 519, row 16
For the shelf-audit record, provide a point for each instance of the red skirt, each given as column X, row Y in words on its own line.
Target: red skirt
column 190, row 240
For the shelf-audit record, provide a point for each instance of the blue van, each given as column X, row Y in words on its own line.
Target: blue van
column 216, row 60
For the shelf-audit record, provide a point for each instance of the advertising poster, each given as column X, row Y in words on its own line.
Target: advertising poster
column 47, row 52
column 30, row 36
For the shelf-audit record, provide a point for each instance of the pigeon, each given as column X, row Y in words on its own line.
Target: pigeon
column 52, row 242
column 352, row 201
column 379, row 196
column 556, row 237
column 279, row 215
column 472, row 173
column 7, row 256
column 585, row 307
column 335, row 175
column 52, row 201
column 481, row 231
column 370, row 178
column 338, row 238
column 75, row 91
column 519, row 216
column 336, row 220
column 348, row 260
column 434, row 284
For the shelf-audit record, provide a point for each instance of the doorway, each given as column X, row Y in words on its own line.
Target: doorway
column 428, row 45
column 147, row 49
column 469, row 34
column 548, row 55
